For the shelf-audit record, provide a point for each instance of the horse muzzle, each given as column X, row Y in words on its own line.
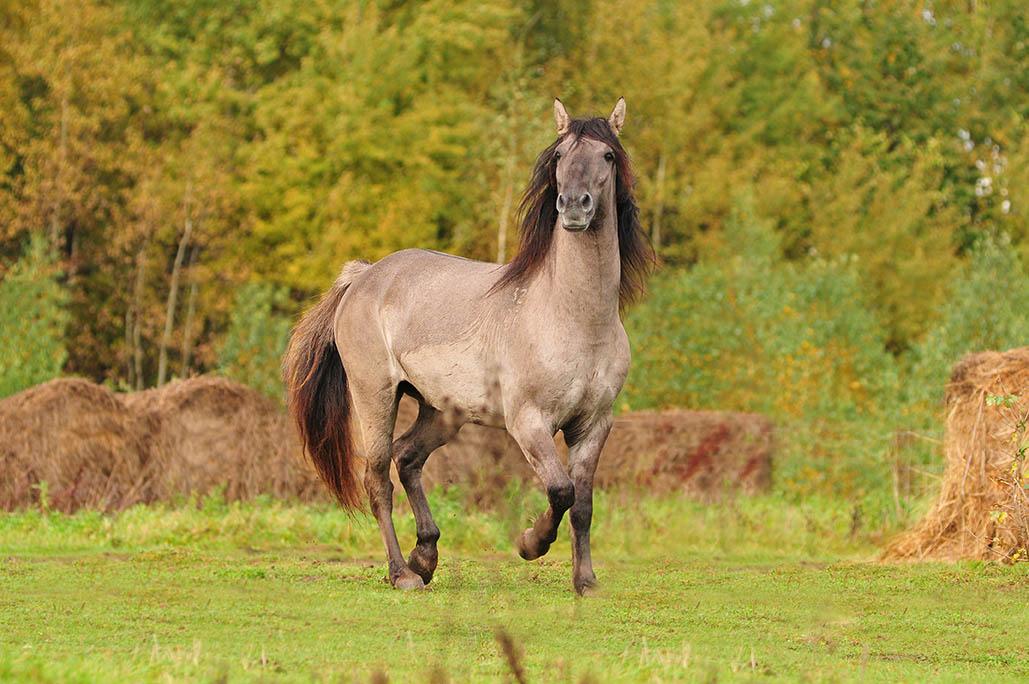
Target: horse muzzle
column 577, row 225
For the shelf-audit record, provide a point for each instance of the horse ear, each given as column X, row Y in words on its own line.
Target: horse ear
column 617, row 118
column 561, row 117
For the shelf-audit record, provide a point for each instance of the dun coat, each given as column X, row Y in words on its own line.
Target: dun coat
column 533, row 347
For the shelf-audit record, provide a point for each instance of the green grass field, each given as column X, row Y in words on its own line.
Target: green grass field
column 756, row 590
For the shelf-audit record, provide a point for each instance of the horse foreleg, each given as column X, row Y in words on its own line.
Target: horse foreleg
column 431, row 430
column 537, row 443
column 583, row 456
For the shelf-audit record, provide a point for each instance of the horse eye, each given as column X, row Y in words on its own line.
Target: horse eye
column 557, row 155
column 609, row 156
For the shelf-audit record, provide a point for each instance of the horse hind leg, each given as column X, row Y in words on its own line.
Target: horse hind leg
column 376, row 410
column 431, row 430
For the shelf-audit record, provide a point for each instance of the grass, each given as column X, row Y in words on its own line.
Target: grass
column 756, row 590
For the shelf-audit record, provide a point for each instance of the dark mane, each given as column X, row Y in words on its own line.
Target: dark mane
column 538, row 212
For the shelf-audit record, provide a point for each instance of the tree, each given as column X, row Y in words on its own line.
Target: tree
column 33, row 316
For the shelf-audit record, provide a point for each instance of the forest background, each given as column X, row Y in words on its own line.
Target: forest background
column 836, row 191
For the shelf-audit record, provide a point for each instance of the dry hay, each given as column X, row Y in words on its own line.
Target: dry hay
column 983, row 510
column 212, row 433
column 96, row 449
column 701, row 454
column 80, row 440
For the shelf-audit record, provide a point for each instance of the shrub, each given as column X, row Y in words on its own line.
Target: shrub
column 985, row 310
column 256, row 339
column 33, row 318
column 748, row 330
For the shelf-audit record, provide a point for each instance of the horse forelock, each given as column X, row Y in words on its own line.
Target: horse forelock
column 538, row 212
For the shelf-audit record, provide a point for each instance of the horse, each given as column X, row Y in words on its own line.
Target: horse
column 533, row 346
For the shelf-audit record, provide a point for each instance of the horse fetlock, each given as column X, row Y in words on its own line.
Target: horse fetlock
column 428, row 536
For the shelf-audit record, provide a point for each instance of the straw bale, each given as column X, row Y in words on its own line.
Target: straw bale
column 982, row 511
column 213, row 433
column 80, row 440
column 97, row 449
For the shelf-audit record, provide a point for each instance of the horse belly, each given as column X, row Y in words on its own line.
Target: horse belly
column 456, row 377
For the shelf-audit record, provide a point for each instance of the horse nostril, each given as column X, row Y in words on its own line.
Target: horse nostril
column 587, row 201
column 561, row 202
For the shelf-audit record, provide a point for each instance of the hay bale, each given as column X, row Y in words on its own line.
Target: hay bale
column 96, row 449
column 80, row 440
column 213, row 433
column 701, row 454
column 982, row 511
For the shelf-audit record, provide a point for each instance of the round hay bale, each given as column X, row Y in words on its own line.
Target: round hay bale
column 702, row 454
column 982, row 511
column 80, row 440
column 212, row 433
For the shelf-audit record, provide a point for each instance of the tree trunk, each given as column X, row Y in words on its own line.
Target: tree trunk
column 659, row 202
column 505, row 207
column 187, row 326
column 134, row 315
column 173, row 290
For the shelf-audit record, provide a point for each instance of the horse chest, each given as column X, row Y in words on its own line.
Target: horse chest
column 583, row 377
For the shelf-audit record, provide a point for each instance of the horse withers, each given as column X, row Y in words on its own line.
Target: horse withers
column 533, row 347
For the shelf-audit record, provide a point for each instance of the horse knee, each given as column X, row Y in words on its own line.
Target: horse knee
column 561, row 496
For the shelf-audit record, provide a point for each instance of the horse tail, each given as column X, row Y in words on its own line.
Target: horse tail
column 316, row 392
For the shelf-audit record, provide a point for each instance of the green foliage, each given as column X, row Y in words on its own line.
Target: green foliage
column 298, row 135
column 256, row 339
column 747, row 330
column 985, row 310
column 33, row 317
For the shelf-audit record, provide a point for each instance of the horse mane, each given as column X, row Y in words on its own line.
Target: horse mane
column 538, row 215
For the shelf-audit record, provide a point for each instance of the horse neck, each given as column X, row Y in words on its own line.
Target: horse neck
column 584, row 271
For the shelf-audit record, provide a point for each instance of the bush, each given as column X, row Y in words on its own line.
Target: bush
column 256, row 339
column 985, row 310
column 747, row 330
column 33, row 318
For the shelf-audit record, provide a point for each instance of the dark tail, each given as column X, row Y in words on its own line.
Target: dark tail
column 316, row 390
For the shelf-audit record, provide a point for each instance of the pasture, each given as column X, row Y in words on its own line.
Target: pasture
column 755, row 589
column 743, row 284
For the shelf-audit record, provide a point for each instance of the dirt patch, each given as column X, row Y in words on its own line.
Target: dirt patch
column 983, row 509
column 96, row 449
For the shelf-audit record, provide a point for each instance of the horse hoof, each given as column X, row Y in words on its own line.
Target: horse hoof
column 408, row 581
column 423, row 563
column 529, row 547
column 586, row 586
